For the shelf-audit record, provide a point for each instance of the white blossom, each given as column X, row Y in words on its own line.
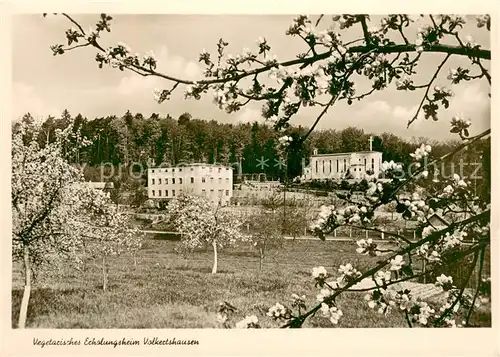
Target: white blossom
column 248, row 322
column 319, row 272
column 397, row 263
column 277, row 311
column 333, row 313
column 323, row 294
column 443, row 280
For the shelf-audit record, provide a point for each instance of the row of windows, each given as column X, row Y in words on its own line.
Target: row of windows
column 338, row 164
column 203, row 180
column 219, row 169
column 153, row 193
column 204, row 192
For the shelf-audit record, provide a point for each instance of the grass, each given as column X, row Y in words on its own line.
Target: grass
column 165, row 290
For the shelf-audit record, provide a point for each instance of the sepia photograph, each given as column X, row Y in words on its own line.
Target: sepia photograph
column 181, row 171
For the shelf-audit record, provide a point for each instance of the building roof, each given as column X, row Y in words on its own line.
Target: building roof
column 347, row 153
column 188, row 165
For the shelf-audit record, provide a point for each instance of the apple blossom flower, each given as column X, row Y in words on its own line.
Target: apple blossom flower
column 446, row 282
column 319, row 273
column 382, row 277
column 349, row 271
column 248, row 322
column 423, row 312
column 323, row 294
column 404, row 300
column 397, row 263
column 366, row 246
column 333, row 313
column 278, row 311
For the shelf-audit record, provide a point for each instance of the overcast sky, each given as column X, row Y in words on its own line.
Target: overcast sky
column 44, row 84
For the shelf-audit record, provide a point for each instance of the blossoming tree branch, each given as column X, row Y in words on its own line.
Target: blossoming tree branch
column 327, row 72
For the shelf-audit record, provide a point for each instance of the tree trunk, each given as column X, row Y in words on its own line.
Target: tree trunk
column 23, row 312
column 214, row 268
column 104, row 274
column 261, row 256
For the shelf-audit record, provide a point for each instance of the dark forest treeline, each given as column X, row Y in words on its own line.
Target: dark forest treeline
column 155, row 140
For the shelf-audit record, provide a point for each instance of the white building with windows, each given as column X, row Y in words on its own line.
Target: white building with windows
column 338, row 166
column 208, row 180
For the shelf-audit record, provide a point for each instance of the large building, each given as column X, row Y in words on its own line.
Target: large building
column 338, row 166
column 208, row 180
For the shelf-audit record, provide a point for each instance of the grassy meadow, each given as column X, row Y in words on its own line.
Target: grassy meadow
column 164, row 290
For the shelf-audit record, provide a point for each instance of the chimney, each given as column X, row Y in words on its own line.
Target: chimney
column 315, row 151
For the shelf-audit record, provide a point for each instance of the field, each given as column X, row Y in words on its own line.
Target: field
column 165, row 290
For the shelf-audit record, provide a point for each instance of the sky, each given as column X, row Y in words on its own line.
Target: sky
column 44, row 84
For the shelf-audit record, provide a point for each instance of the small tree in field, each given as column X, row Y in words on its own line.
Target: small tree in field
column 265, row 232
column 200, row 222
column 110, row 232
column 295, row 219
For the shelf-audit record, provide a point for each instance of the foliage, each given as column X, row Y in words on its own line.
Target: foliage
column 45, row 199
column 266, row 233
column 110, row 231
column 331, row 71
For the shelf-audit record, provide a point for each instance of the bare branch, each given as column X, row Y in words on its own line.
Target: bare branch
column 427, row 90
column 75, row 23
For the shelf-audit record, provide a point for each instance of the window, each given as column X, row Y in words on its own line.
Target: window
column 180, row 170
column 337, row 165
column 373, row 164
column 227, row 178
column 202, row 179
column 152, row 181
column 204, row 192
column 153, row 171
column 192, row 169
column 166, row 181
column 180, row 180
column 153, row 192
column 192, row 179
column 316, row 166
column 330, row 166
column 220, row 179
column 211, row 191
column 227, row 192
column 173, row 170
column 166, row 193
column 159, row 183
column 159, row 193
column 345, row 165
column 219, row 169
column 173, row 181
column 211, row 179
column 365, row 163
column 173, row 192
column 323, row 162
column 210, row 169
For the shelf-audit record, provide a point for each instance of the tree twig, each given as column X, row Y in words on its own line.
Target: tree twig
column 428, row 88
